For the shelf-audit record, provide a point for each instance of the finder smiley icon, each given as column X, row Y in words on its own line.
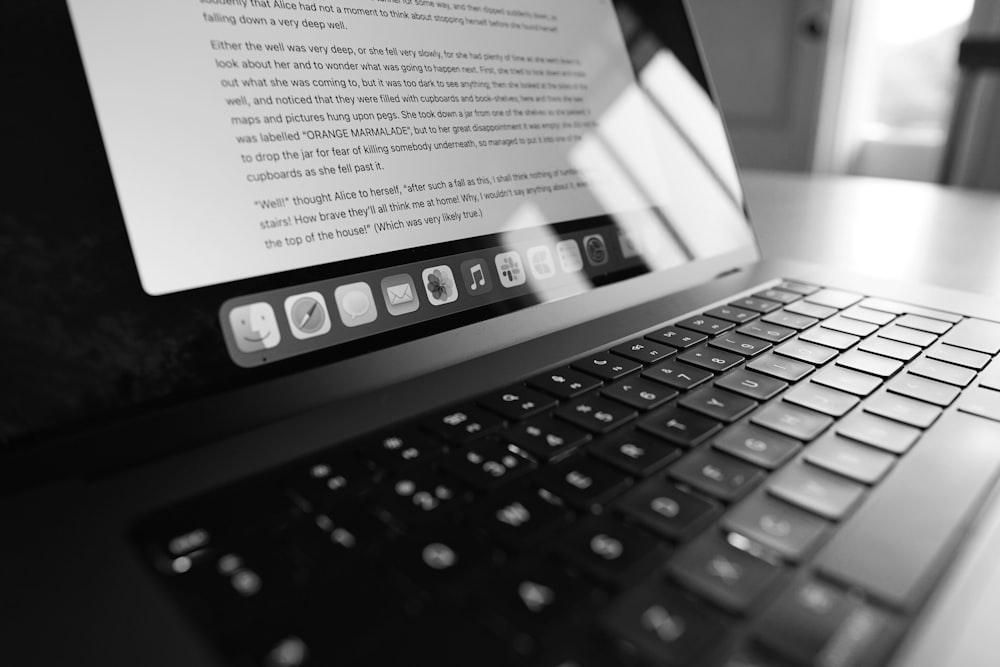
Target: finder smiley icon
column 254, row 327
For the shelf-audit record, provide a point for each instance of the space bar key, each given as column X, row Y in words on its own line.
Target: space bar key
column 896, row 544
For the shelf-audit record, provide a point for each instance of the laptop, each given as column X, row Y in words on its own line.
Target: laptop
column 411, row 332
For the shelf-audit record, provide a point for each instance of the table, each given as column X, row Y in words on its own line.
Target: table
column 903, row 230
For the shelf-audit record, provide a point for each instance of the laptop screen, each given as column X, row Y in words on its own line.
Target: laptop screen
column 214, row 193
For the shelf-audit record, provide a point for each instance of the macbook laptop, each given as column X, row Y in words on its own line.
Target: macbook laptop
column 408, row 332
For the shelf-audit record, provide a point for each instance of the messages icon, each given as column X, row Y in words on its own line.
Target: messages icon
column 356, row 304
column 400, row 294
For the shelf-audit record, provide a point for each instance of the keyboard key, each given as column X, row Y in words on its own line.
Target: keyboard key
column 583, row 483
column 420, row 497
column 639, row 393
column 942, row 371
column 835, row 377
column 718, row 404
column 517, row 403
column 821, row 399
column 756, row 305
column 462, row 425
column 594, row 414
column 792, row 420
column 902, row 308
column 668, row 511
column 779, row 295
column 863, row 314
column 902, row 409
column 813, row 620
column 564, row 383
column 889, row 348
column 878, row 432
column 729, row 577
column 904, row 335
column 959, row 460
column 717, row 474
column 869, row 363
column 759, row 446
column 850, row 327
column 751, row 385
column 438, row 558
column 834, row 298
column 680, row 426
column 635, row 453
column 981, row 402
column 609, row 551
column 791, row 320
column 739, row 344
column 845, row 457
column 663, row 625
column 528, row 599
column 546, row 439
column 397, row 451
column 823, row 493
column 764, row 519
column 924, row 324
column 923, row 389
column 810, row 310
column 644, row 351
column 710, row 359
column 976, row 335
column 329, row 479
column 518, row 518
column 703, row 324
column 959, row 356
column 486, row 465
column 682, row 339
column 772, row 333
column 606, row 366
column 810, row 353
column 782, row 368
column 830, row 338
column 677, row 375
column 732, row 314
column 798, row 287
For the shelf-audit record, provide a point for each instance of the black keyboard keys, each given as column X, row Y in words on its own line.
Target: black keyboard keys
column 486, row 465
column 545, row 438
column 464, row 424
column 565, row 383
column 595, row 414
column 517, row 403
column 681, row 339
column 644, row 351
column 667, row 510
column 718, row 404
column 635, row 453
column 664, row 625
column 639, row 393
column 730, row 577
column 677, row 375
column 517, row 517
column 583, row 483
column 710, row 359
column 812, row 620
column 607, row 366
column 608, row 550
column 717, row 474
column 680, row 426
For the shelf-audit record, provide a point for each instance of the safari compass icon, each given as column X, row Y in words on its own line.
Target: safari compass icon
column 307, row 315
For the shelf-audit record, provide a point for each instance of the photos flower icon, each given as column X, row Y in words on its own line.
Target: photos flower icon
column 440, row 284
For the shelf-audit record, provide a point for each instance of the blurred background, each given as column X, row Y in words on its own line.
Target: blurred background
column 864, row 87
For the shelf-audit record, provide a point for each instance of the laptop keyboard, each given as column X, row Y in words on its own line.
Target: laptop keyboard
column 775, row 481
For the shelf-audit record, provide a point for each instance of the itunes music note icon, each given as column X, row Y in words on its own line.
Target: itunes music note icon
column 476, row 277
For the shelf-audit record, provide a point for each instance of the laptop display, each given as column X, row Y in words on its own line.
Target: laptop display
column 214, row 194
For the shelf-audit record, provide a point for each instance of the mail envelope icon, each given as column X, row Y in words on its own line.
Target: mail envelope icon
column 400, row 294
